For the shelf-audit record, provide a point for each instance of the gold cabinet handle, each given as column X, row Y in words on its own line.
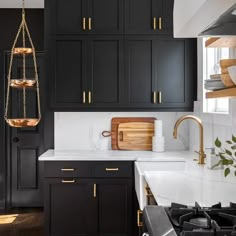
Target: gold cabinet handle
column 89, row 23
column 84, row 97
column 139, row 222
column 67, row 169
column 89, row 97
column 94, row 190
column 154, row 23
column 159, row 97
column 68, row 181
column 112, row 169
column 84, row 23
column 160, row 23
column 154, row 97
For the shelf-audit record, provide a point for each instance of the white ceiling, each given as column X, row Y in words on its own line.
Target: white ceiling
column 18, row 3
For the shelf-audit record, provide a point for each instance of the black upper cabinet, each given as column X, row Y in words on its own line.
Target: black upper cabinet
column 87, row 73
column 113, row 16
column 88, row 16
column 167, row 7
column 118, row 55
column 105, row 17
column 149, row 16
column 175, row 60
column 139, row 71
column 68, row 15
column 160, row 73
column 104, row 71
column 69, row 74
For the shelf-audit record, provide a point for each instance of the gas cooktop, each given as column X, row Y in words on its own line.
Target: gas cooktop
column 197, row 220
column 183, row 220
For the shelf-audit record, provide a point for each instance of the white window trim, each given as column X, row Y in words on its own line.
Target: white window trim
column 216, row 118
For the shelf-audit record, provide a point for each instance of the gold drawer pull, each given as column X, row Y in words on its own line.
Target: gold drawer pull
column 89, row 97
column 84, row 23
column 139, row 222
column 84, row 97
column 160, row 23
column 89, row 23
column 154, row 97
column 68, row 181
column 112, row 169
column 67, row 169
column 159, row 97
column 154, row 23
column 94, row 190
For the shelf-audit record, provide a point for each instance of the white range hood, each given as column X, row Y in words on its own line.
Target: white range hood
column 192, row 17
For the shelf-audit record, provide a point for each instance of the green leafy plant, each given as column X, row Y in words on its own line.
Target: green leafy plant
column 227, row 155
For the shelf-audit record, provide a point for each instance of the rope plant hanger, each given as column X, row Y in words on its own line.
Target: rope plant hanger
column 23, row 83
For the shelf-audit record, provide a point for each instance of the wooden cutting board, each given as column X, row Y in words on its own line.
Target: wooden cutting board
column 130, row 144
column 135, row 136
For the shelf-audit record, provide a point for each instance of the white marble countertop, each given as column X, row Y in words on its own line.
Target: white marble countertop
column 195, row 183
column 111, row 155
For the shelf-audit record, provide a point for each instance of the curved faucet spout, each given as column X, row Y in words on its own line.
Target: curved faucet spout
column 201, row 148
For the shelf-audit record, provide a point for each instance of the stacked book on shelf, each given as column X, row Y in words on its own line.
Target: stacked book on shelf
column 214, row 83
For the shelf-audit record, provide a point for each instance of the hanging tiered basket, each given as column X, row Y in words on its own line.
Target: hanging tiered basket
column 23, row 83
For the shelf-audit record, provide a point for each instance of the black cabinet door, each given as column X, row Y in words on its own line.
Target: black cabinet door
column 149, row 16
column 68, row 15
column 115, row 206
column 69, row 77
column 139, row 72
column 105, row 72
column 105, row 17
column 176, row 72
column 70, row 207
column 139, row 16
column 165, row 12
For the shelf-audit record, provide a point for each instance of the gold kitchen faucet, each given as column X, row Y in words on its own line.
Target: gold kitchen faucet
column 201, row 152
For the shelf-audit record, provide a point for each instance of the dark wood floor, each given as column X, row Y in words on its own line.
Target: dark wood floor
column 21, row 222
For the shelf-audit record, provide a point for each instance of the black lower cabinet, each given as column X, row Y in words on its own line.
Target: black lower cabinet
column 96, row 202
column 115, row 207
column 70, row 207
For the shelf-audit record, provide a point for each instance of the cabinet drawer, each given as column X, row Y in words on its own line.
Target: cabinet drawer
column 115, row 169
column 67, row 169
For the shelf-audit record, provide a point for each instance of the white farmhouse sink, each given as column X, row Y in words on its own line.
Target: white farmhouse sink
column 141, row 167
